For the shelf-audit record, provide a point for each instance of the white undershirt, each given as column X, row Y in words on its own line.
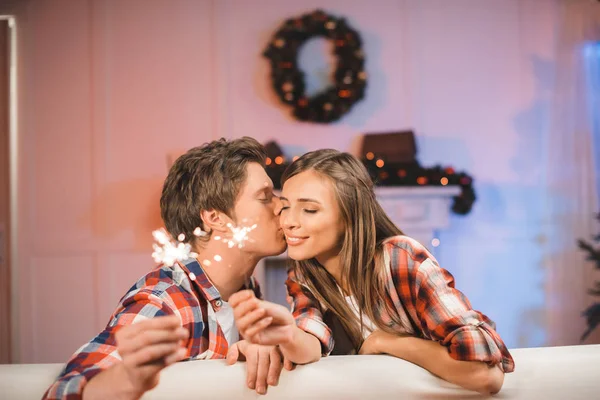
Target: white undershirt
column 369, row 326
column 227, row 323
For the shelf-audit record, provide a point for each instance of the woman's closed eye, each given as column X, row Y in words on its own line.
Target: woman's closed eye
column 306, row 210
column 283, row 209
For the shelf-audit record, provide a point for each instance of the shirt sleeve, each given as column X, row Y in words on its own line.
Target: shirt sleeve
column 101, row 352
column 443, row 312
column 307, row 312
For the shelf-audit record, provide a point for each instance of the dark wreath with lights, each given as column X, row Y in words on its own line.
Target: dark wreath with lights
column 349, row 80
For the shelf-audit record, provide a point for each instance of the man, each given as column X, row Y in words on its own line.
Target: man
column 181, row 312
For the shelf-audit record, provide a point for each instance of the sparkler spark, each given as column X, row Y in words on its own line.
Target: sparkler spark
column 239, row 235
column 168, row 252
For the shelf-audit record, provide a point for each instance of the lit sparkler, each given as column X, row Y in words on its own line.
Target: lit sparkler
column 168, row 252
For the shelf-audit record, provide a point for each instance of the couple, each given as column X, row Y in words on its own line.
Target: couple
column 358, row 285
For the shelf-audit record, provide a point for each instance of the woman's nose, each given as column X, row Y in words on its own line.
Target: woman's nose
column 288, row 220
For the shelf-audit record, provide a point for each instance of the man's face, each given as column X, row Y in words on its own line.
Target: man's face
column 257, row 204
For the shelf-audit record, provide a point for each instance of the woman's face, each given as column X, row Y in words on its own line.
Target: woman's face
column 311, row 218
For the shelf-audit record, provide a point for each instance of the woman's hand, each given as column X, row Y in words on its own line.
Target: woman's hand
column 262, row 322
column 375, row 343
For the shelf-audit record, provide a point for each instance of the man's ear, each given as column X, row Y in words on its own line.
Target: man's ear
column 214, row 220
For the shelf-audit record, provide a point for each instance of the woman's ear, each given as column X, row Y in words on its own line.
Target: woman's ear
column 214, row 220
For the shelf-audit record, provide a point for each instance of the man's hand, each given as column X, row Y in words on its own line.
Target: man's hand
column 263, row 364
column 262, row 322
column 145, row 348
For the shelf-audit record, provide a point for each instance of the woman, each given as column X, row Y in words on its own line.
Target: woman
column 358, row 285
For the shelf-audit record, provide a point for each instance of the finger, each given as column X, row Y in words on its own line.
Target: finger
column 287, row 364
column 145, row 372
column 238, row 297
column 274, row 367
column 151, row 337
column 262, row 370
column 152, row 353
column 179, row 355
column 161, row 322
column 232, row 354
column 251, row 366
column 244, row 308
column 157, row 323
column 250, row 319
column 280, row 314
column 257, row 327
column 271, row 336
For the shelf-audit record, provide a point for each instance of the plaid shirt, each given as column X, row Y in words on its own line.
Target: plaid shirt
column 424, row 300
column 183, row 290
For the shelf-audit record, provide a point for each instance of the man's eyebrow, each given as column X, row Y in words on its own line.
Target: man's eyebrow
column 264, row 189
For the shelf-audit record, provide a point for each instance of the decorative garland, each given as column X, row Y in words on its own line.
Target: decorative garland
column 392, row 174
column 350, row 79
column 399, row 174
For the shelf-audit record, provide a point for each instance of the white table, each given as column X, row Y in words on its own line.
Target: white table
column 564, row 373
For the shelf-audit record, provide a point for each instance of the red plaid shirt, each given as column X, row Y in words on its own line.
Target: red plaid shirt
column 424, row 299
column 183, row 290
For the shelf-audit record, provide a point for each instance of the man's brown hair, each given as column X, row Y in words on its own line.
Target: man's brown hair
column 208, row 177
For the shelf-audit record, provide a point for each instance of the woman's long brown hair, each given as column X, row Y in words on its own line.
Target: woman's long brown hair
column 366, row 227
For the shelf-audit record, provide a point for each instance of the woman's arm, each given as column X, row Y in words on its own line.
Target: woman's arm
column 303, row 348
column 471, row 375
column 439, row 311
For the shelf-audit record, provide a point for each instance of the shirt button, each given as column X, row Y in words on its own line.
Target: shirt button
column 218, row 303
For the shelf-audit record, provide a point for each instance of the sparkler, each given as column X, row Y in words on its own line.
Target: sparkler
column 168, row 252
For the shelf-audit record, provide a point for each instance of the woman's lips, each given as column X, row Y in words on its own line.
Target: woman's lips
column 295, row 240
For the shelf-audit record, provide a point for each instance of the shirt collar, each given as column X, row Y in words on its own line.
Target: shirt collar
column 200, row 280
column 202, row 283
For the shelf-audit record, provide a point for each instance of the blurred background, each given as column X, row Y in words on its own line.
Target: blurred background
column 99, row 97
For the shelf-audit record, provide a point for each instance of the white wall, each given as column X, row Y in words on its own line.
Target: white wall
column 110, row 88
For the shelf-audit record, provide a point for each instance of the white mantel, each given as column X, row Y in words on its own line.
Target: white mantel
column 420, row 212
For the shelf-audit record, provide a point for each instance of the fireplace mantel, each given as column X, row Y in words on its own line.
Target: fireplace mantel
column 420, row 212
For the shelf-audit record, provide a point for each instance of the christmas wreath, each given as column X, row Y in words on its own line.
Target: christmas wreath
column 349, row 80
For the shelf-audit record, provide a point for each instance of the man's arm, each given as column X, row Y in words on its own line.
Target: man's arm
column 107, row 349
column 146, row 349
